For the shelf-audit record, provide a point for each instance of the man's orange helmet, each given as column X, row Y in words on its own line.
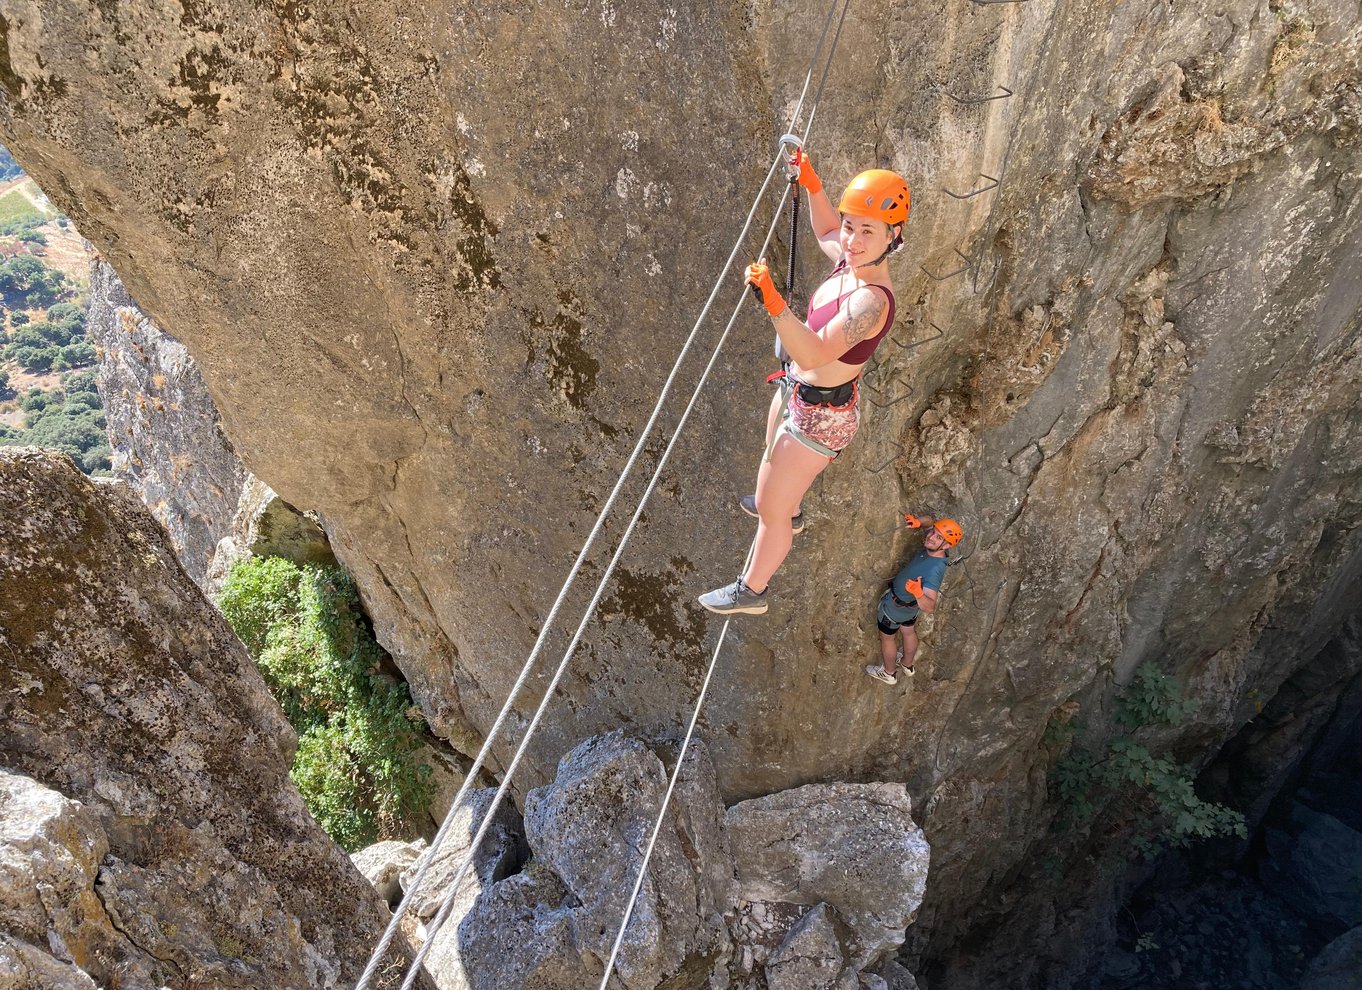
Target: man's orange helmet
column 950, row 531
column 879, row 194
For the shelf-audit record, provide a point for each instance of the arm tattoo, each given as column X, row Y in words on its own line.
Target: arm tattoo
column 864, row 312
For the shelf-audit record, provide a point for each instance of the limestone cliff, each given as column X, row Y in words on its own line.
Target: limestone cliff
column 163, row 427
column 430, row 258
column 149, row 834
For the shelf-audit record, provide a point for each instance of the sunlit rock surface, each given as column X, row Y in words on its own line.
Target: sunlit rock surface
column 433, row 260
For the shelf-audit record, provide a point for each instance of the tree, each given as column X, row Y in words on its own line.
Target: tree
column 25, row 281
column 5, row 392
column 35, row 359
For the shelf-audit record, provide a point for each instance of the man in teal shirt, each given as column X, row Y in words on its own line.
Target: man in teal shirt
column 913, row 590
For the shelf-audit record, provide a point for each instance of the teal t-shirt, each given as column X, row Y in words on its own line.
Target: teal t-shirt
column 932, row 571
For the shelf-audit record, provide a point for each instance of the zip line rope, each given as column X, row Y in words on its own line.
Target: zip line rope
column 452, row 893
column 381, row 949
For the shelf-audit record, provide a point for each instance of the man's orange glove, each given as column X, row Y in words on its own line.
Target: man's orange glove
column 759, row 277
column 807, row 178
column 913, row 522
column 914, row 587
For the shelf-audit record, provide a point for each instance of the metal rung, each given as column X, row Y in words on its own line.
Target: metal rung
column 992, row 182
column 926, row 340
column 969, row 101
column 891, row 402
column 958, row 271
column 901, row 449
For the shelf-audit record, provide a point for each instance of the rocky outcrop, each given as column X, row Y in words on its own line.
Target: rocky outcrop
column 823, row 876
column 151, row 835
column 167, row 442
column 429, row 270
column 164, row 430
column 501, row 853
column 853, row 847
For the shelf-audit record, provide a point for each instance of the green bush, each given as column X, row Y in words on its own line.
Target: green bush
column 5, row 392
column 18, row 318
column 81, row 383
column 357, row 731
column 1155, row 793
column 34, row 359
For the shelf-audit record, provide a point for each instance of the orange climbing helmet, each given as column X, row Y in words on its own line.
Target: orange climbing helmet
column 950, row 531
column 879, row 194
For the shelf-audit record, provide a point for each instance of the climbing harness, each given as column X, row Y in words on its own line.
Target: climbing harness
column 433, row 929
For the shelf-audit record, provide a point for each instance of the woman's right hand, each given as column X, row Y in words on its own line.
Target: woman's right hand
column 759, row 277
column 808, row 178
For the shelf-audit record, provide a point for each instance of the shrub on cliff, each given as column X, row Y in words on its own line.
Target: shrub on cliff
column 358, row 732
column 1122, row 779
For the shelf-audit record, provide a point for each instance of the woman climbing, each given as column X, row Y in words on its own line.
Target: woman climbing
column 816, row 408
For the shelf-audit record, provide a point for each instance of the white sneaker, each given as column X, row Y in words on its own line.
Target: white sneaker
column 898, row 660
column 876, row 671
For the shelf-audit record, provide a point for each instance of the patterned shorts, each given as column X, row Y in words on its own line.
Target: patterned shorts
column 831, row 427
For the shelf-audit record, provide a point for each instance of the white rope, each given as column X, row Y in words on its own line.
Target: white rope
column 452, row 893
column 429, row 857
column 388, row 935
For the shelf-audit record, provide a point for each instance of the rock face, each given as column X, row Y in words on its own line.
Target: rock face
column 430, row 270
column 146, row 767
column 164, row 430
column 167, row 442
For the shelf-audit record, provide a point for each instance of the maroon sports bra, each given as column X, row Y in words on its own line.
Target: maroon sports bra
column 821, row 316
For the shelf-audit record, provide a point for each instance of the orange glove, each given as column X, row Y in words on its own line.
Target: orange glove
column 914, row 587
column 759, row 277
column 913, row 522
column 808, row 178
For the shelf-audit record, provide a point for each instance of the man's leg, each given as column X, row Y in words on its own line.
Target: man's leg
column 909, row 646
column 888, row 649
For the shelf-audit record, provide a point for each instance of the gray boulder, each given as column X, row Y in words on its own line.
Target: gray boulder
column 383, row 864
column 812, row 957
column 553, row 925
column 1339, row 966
column 591, row 827
column 853, row 846
column 521, row 934
column 500, row 854
column 1315, row 865
column 50, row 853
column 23, row 967
column 124, row 689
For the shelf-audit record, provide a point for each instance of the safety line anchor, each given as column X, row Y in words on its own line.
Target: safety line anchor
column 992, row 184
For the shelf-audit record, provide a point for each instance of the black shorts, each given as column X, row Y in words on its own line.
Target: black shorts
column 889, row 627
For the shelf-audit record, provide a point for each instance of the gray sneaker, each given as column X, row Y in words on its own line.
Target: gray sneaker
column 735, row 597
column 749, row 505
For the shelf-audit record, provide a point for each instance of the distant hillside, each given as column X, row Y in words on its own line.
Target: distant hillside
column 47, row 381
